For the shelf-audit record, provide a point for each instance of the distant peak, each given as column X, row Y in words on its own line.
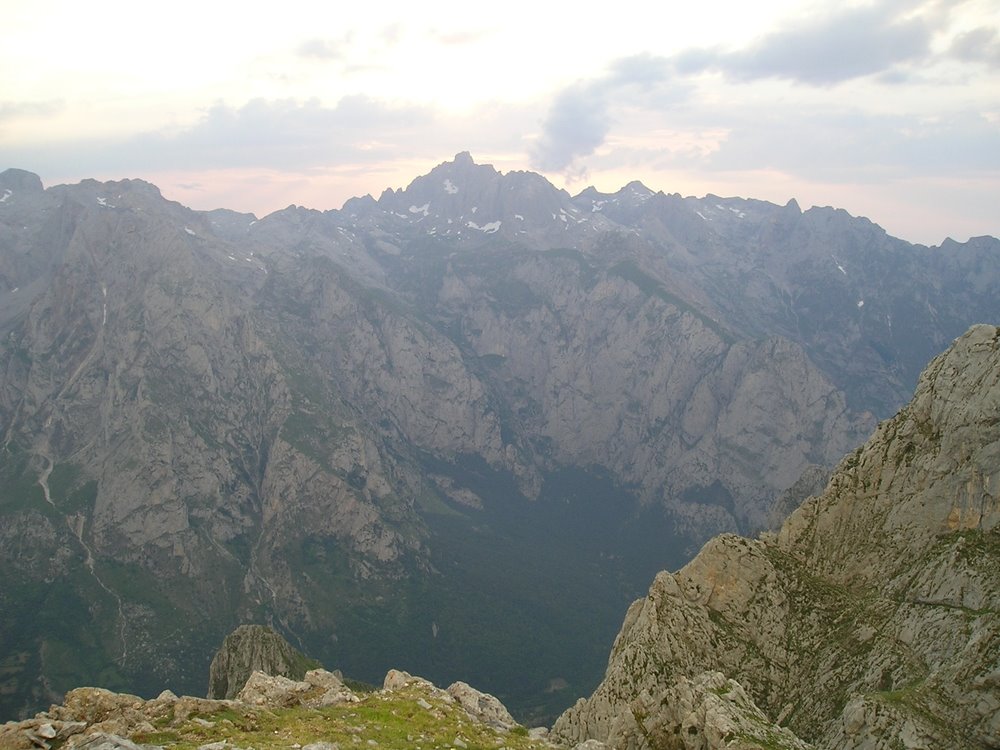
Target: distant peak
column 590, row 192
column 463, row 163
column 20, row 179
column 637, row 187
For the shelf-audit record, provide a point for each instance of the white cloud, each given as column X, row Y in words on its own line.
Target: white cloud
column 800, row 92
column 282, row 134
column 847, row 43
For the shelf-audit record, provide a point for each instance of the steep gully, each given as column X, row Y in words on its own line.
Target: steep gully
column 76, row 522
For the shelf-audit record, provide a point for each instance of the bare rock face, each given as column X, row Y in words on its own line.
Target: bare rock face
column 271, row 690
column 105, row 741
column 20, row 180
column 252, row 650
column 871, row 619
column 482, row 707
column 95, row 705
column 207, row 418
column 704, row 712
column 319, row 688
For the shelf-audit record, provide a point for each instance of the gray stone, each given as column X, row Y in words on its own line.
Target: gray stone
column 396, row 679
column 104, row 741
column 482, row 707
column 47, row 731
column 272, row 691
column 869, row 588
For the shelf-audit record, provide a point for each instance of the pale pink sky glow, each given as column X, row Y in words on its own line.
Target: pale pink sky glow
column 887, row 108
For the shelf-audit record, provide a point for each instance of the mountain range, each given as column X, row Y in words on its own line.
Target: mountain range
column 867, row 622
column 454, row 430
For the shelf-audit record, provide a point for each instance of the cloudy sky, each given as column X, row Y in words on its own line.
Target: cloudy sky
column 888, row 108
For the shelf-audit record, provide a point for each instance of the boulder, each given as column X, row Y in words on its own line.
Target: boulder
column 105, row 741
column 271, row 691
column 396, row 679
column 482, row 707
column 327, row 689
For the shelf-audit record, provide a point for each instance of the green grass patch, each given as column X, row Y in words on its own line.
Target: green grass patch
column 399, row 719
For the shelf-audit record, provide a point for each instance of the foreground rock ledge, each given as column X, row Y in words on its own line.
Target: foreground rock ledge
column 871, row 621
column 97, row 719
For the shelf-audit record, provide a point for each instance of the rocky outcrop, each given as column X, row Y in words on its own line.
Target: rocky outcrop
column 98, row 719
column 91, row 716
column 704, row 712
column 253, row 649
column 319, row 688
column 482, row 707
column 871, row 619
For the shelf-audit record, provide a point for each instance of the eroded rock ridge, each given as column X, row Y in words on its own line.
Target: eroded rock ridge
column 871, row 620
column 346, row 422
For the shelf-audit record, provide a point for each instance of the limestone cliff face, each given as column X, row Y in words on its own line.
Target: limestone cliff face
column 615, row 370
column 249, row 649
column 345, row 422
column 871, row 618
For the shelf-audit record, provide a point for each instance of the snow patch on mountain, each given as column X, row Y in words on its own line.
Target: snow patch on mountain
column 490, row 228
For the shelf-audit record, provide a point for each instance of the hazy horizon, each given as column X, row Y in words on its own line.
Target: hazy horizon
column 889, row 109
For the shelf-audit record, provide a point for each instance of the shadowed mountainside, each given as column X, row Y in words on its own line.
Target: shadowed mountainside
column 423, row 431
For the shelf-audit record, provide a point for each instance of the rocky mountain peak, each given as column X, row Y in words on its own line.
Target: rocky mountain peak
column 637, row 189
column 249, row 649
column 869, row 621
column 453, row 178
column 957, row 395
column 461, row 199
column 126, row 193
column 20, row 180
column 931, row 471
